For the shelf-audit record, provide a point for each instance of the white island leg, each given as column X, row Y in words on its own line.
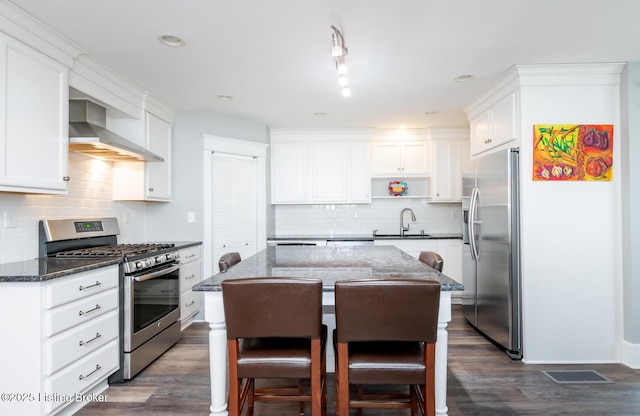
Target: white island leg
column 444, row 317
column 214, row 315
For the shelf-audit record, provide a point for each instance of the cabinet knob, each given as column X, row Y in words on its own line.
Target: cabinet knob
column 150, row 189
column 66, row 178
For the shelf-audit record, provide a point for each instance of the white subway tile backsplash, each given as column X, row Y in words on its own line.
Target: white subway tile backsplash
column 89, row 195
column 380, row 214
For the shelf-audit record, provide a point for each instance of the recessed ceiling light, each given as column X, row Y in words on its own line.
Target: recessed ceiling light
column 319, row 114
column 463, row 78
column 171, row 40
column 223, row 97
column 426, row 113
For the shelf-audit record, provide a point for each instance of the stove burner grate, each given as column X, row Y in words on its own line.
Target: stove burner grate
column 117, row 250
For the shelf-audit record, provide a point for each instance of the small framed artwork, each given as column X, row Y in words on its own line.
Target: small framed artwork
column 572, row 152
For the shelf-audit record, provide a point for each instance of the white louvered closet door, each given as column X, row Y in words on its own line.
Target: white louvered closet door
column 234, row 205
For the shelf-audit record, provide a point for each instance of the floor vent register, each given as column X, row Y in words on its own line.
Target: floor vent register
column 576, row 376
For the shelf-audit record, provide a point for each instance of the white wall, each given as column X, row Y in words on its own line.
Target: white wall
column 630, row 151
column 168, row 221
column 571, row 231
column 380, row 214
column 90, row 190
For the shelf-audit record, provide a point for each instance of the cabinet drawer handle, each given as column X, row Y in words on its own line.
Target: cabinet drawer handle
column 166, row 291
column 189, row 256
column 97, row 283
column 190, row 277
column 83, row 377
column 190, row 304
column 66, row 178
column 98, row 335
column 90, row 310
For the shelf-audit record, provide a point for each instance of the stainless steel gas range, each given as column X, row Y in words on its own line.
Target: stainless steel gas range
column 149, row 285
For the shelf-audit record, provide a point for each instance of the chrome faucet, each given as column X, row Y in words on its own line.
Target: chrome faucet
column 413, row 218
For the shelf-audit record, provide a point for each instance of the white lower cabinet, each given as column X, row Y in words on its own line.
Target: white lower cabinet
column 190, row 274
column 65, row 344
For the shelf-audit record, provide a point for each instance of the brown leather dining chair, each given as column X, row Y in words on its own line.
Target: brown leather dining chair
column 275, row 330
column 227, row 260
column 385, row 335
column 433, row 259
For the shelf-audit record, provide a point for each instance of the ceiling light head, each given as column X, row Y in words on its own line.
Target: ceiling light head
column 339, row 51
column 171, row 40
column 341, row 66
column 463, row 78
column 338, row 47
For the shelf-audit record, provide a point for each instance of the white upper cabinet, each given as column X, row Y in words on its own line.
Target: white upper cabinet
column 450, row 147
column 147, row 181
column 329, row 172
column 400, row 159
column 495, row 126
column 289, row 172
column 158, row 174
column 310, row 167
column 33, row 120
column 360, row 172
column 442, row 188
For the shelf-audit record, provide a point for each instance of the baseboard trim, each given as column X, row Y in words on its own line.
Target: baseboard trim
column 631, row 355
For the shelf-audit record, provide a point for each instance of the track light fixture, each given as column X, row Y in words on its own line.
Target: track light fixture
column 339, row 53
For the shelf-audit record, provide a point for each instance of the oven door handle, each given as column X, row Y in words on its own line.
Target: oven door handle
column 151, row 275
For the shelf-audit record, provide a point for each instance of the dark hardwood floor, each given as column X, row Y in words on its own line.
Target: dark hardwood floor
column 482, row 381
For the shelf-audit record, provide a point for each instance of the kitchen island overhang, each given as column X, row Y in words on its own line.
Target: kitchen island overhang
column 329, row 264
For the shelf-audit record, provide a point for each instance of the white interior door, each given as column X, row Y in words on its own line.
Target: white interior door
column 234, row 209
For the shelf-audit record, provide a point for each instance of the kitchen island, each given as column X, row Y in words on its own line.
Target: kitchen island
column 329, row 263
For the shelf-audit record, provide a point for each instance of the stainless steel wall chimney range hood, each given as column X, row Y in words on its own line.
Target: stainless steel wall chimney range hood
column 88, row 135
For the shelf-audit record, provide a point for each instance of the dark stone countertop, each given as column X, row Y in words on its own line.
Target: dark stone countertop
column 330, row 263
column 48, row 268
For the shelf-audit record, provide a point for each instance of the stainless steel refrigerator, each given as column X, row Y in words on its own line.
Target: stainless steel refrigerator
column 491, row 302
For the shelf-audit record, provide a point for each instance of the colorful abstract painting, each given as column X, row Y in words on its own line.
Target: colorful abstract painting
column 572, row 152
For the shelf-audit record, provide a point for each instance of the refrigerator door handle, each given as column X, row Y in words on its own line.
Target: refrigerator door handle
column 473, row 211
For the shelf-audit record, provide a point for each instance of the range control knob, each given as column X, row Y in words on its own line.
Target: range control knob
column 161, row 258
column 139, row 265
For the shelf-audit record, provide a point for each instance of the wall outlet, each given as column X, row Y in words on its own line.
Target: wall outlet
column 10, row 218
column 125, row 217
column 191, row 217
